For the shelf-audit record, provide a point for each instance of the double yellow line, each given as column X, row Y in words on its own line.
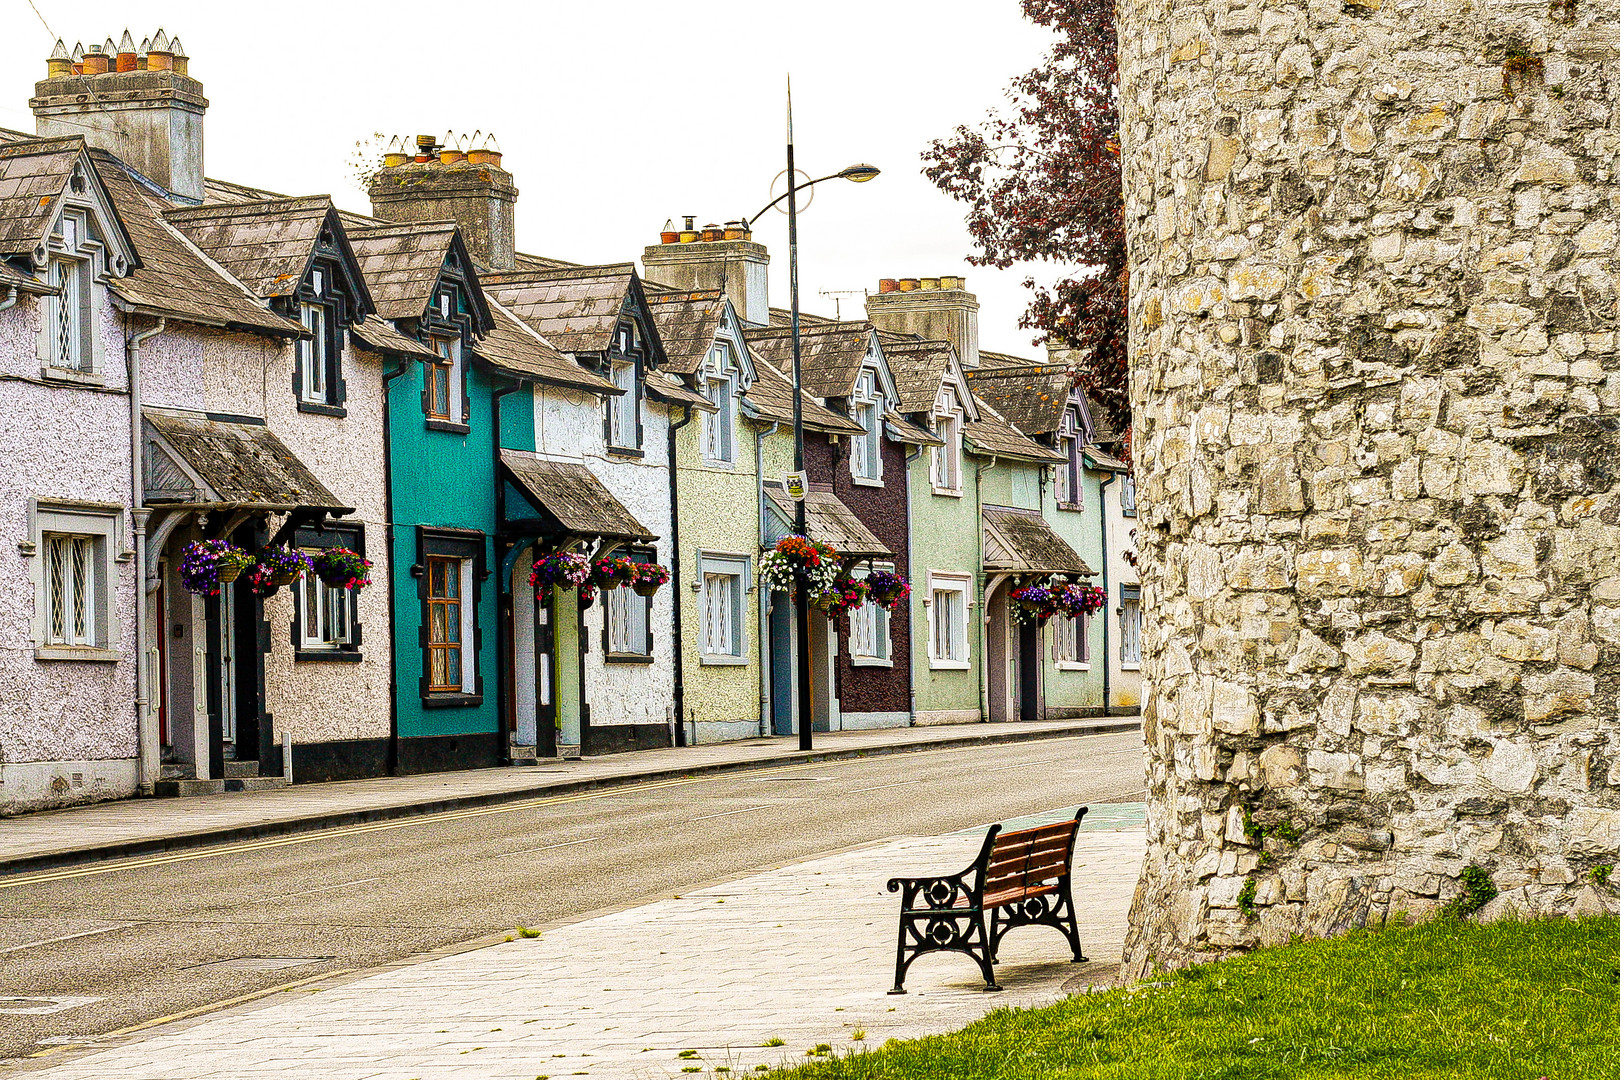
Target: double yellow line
column 316, row 835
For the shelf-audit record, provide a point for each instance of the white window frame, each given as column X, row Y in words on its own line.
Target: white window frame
column 720, row 426
column 732, row 573
column 945, row 464
column 866, row 449
column 627, row 614
column 1069, row 485
column 624, row 409
column 870, row 625
column 314, row 626
column 467, row 646
column 1069, row 643
column 312, row 354
column 1127, row 496
column 939, row 583
column 1130, row 627
column 99, row 526
column 75, row 260
column 448, row 348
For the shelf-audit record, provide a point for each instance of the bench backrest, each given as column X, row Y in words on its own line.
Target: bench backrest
column 1020, row 861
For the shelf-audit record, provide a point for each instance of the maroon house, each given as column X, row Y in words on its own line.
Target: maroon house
column 861, row 663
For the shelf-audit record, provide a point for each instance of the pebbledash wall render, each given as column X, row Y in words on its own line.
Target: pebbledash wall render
column 1377, row 398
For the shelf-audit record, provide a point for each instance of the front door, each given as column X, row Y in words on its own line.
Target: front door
column 1029, row 671
column 228, row 680
column 784, row 663
column 545, row 676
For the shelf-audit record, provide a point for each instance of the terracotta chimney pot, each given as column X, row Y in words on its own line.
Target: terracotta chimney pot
column 888, row 285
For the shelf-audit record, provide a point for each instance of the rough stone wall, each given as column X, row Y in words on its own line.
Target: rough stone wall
column 1377, row 393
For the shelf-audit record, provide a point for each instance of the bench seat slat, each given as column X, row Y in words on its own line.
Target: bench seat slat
column 1007, row 896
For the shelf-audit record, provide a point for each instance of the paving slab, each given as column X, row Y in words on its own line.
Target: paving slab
column 140, row 826
column 800, row 955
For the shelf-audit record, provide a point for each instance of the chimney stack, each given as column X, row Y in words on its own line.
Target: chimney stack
column 935, row 309
column 152, row 119
column 446, row 183
column 715, row 257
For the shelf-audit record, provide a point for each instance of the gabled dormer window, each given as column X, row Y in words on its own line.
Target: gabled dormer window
column 1067, row 486
column 318, row 380
column 720, row 386
column 625, row 359
column 73, row 256
column 947, row 459
column 444, row 396
column 866, row 409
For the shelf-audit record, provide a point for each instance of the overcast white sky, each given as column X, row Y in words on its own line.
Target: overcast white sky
column 613, row 115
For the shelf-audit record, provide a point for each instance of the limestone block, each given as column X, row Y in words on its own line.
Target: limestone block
column 1377, row 652
column 1339, row 771
column 1559, row 694
column 1223, row 891
column 1594, row 832
column 1454, row 565
column 1279, row 489
column 1517, row 639
column 1281, row 766
column 1233, row 709
column 1511, row 767
column 1328, row 572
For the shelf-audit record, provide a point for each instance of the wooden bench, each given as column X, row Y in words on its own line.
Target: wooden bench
column 1019, row 879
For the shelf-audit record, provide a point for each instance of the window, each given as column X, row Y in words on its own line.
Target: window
column 720, row 599
column 449, row 572
column 70, row 589
column 869, row 632
column 947, row 464
column 719, row 428
column 624, row 410
column 69, row 324
column 1070, row 640
column 1067, row 486
column 947, row 622
column 629, row 616
column 1130, row 626
column 325, row 620
column 75, row 613
column 320, row 354
column 442, row 381
column 1127, row 496
column 866, row 451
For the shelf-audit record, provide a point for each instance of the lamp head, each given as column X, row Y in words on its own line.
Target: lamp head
column 860, row 174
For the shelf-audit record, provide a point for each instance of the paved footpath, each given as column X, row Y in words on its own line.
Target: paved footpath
column 138, row 826
column 803, row 954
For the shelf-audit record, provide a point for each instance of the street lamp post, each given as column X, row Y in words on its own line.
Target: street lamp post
column 858, row 174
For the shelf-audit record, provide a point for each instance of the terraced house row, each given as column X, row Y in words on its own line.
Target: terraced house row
column 222, row 403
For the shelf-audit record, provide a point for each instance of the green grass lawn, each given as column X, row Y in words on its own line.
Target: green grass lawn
column 1516, row 1001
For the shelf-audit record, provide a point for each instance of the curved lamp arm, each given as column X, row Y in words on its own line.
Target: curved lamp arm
column 858, row 174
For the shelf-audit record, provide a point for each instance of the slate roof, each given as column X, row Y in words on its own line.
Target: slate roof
column 576, row 309
column 771, row 399
column 514, row 348
column 903, row 430
column 378, row 336
column 687, row 323
column 992, row 434
column 666, row 387
column 1107, row 462
column 401, row 263
column 1031, row 396
column 827, row 519
column 175, row 279
column 572, row 494
column 1021, row 541
column 33, row 173
column 830, row 355
column 917, row 367
column 243, row 464
column 266, row 245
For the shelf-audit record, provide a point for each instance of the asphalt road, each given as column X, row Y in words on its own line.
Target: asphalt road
column 157, row 936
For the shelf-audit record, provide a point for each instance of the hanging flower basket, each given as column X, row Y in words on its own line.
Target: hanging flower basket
column 887, row 589
column 613, row 572
column 650, row 577
column 1075, row 600
column 796, row 558
column 565, row 570
column 277, row 567
column 1033, row 604
column 341, row 568
column 205, row 565
column 845, row 595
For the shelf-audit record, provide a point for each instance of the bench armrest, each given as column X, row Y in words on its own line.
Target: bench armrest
column 934, row 893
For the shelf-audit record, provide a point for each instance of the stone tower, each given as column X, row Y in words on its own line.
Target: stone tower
column 1377, row 397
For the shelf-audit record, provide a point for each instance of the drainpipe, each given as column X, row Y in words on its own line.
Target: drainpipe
column 911, row 573
column 983, row 615
column 766, row 662
column 1108, row 596
column 149, row 753
column 11, row 298
column 678, row 646
column 505, row 630
column 392, row 763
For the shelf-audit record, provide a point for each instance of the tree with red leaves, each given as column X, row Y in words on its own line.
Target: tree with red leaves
column 1042, row 183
